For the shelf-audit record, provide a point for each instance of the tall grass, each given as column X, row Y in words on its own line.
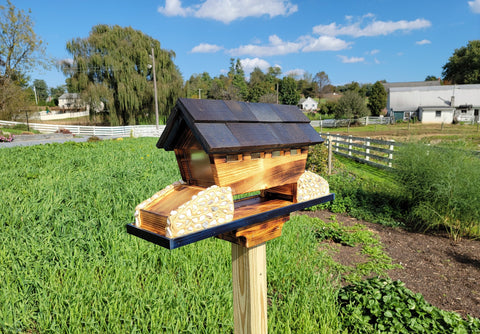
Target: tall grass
column 443, row 188
column 68, row 265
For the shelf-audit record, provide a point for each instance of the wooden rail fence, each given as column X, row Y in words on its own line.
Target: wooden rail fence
column 374, row 152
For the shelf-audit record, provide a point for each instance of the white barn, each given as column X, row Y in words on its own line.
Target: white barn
column 436, row 104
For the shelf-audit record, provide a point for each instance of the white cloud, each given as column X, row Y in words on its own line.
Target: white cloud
column 376, row 61
column 350, row 60
column 325, row 43
column 275, row 47
column 174, row 8
column 374, row 51
column 228, row 11
column 475, row 6
column 249, row 64
column 206, row 48
column 296, row 73
column 423, row 42
column 371, row 28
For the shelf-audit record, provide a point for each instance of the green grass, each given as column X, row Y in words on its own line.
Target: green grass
column 68, row 265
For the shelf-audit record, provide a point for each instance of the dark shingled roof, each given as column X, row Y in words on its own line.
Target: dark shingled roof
column 231, row 126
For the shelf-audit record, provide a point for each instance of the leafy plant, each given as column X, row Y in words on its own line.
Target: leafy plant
column 317, row 159
column 383, row 306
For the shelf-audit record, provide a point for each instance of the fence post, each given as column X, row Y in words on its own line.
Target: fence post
column 350, row 145
column 390, row 155
column 366, row 120
column 367, row 148
column 336, row 148
column 321, row 126
column 330, row 155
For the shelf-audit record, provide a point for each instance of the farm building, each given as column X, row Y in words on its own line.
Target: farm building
column 435, row 104
column 308, row 104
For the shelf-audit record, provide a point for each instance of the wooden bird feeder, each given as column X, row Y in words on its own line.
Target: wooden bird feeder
column 254, row 151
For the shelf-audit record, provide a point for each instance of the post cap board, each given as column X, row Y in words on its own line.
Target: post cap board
column 232, row 126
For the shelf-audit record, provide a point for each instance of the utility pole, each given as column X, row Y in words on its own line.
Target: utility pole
column 155, row 88
column 199, row 93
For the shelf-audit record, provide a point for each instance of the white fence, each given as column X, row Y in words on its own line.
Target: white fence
column 336, row 123
column 113, row 131
column 374, row 152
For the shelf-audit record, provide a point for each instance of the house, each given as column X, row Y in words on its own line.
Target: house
column 308, row 104
column 435, row 104
column 228, row 148
column 70, row 101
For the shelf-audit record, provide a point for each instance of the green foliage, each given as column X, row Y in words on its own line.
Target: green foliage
column 328, row 108
column 111, row 66
column 383, row 306
column 443, row 187
column 431, row 78
column 68, row 265
column 376, row 261
column 317, row 159
column 41, row 89
column 351, row 105
column 378, row 99
column 288, row 93
column 237, row 75
column 463, row 67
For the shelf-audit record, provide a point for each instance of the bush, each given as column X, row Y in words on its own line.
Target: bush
column 317, row 159
column 383, row 306
column 442, row 186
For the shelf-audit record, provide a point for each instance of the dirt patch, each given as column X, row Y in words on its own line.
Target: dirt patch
column 447, row 274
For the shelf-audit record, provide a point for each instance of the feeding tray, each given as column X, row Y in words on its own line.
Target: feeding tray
column 248, row 211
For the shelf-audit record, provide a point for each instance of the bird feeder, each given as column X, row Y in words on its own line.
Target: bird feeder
column 243, row 173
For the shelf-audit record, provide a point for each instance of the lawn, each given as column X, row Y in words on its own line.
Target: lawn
column 68, row 265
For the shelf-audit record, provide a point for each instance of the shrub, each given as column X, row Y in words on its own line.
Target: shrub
column 317, row 159
column 442, row 186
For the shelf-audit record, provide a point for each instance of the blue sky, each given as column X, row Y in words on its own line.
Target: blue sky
column 350, row 40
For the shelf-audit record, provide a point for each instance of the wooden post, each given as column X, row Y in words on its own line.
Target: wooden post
column 330, row 155
column 249, row 274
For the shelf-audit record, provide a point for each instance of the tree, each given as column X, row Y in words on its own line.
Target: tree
column 12, row 99
column 431, row 78
column 20, row 48
column 112, row 66
column 237, row 76
column 41, row 88
column 351, row 105
column 56, row 92
column 378, row 99
column 321, row 80
column 288, row 93
column 463, row 67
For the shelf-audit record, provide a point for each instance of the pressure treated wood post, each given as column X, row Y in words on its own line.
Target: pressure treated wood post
column 249, row 273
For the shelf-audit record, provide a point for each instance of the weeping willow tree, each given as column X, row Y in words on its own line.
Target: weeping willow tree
column 112, row 68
